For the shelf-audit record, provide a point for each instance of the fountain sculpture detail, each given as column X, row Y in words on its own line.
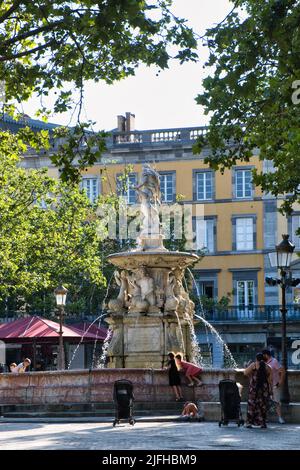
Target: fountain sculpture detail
column 152, row 313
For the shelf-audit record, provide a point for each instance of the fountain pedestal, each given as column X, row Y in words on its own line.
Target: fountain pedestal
column 153, row 313
column 144, row 342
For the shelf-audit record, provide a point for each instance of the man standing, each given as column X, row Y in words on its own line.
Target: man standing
column 277, row 379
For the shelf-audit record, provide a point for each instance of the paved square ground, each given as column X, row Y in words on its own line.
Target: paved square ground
column 148, row 436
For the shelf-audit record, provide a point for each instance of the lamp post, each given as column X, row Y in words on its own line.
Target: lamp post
column 281, row 259
column 61, row 296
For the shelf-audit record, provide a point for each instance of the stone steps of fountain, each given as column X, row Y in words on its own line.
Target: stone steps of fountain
column 88, row 406
column 84, row 410
column 163, row 411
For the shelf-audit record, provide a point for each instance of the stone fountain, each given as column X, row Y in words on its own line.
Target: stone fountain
column 152, row 313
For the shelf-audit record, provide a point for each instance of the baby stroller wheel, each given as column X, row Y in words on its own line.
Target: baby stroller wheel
column 132, row 422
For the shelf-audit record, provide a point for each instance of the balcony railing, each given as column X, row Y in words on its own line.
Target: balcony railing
column 255, row 314
column 157, row 136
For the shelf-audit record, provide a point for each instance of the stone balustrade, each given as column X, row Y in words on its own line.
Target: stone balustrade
column 84, row 386
column 185, row 135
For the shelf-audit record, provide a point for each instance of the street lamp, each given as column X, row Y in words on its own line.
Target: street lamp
column 281, row 259
column 61, row 296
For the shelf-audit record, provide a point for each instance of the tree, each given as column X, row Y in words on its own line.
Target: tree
column 57, row 45
column 46, row 43
column 252, row 92
column 49, row 232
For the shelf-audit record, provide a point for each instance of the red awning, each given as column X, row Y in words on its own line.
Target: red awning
column 42, row 328
column 91, row 329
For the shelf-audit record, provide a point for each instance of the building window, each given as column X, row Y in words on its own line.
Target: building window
column 204, row 185
column 167, row 187
column 245, row 293
column 205, row 239
column 243, row 184
column 295, row 227
column 244, row 234
column 91, row 187
column 206, row 288
column 126, row 188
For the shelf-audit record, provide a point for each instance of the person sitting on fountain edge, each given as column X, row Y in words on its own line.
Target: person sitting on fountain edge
column 191, row 371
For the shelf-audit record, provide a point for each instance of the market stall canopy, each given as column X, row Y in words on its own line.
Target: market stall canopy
column 91, row 329
column 37, row 327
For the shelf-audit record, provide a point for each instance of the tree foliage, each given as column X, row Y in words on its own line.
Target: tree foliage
column 45, row 43
column 251, row 92
column 58, row 45
column 49, row 232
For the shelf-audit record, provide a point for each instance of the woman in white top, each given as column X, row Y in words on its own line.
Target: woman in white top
column 21, row 368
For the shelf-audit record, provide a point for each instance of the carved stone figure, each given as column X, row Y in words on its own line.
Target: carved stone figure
column 149, row 198
column 179, row 290
column 118, row 304
column 137, row 303
column 160, row 297
column 171, row 302
column 115, row 346
column 146, row 284
column 186, row 305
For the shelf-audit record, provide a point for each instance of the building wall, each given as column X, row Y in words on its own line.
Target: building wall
column 224, row 207
column 170, row 153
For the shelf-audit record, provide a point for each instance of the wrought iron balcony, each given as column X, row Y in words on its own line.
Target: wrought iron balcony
column 255, row 314
column 235, row 314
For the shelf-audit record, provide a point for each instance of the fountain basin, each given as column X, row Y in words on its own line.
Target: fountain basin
column 96, row 385
column 156, row 259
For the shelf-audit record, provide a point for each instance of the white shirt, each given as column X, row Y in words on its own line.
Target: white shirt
column 20, row 368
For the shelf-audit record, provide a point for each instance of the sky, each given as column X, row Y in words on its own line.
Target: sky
column 158, row 100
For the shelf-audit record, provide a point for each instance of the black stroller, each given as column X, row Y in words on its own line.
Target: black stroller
column 123, row 400
column 230, row 403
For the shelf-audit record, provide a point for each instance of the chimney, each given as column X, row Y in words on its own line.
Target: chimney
column 121, row 123
column 130, row 122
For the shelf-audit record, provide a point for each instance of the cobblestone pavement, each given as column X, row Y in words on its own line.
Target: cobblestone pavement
column 148, row 436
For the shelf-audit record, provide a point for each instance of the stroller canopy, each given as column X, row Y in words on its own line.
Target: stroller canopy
column 123, row 389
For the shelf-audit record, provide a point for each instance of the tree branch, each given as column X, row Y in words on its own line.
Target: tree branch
column 33, row 32
column 13, row 8
column 28, row 52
